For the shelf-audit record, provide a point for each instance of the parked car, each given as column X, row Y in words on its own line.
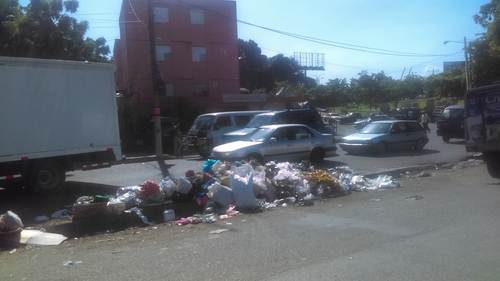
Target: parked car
column 208, row 129
column 451, row 123
column 279, row 143
column 381, row 136
column 349, row 118
column 407, row 114
column 362, row 123
column 309, row 117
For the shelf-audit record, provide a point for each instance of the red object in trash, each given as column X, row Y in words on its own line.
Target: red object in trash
column 149, row 188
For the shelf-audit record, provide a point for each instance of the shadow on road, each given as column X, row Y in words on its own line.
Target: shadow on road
column 397, row 153
column 459, row 142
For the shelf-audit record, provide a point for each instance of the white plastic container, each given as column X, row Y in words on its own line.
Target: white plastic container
column 169, row 215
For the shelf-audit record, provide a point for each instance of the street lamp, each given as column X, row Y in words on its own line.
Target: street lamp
column 467, row 65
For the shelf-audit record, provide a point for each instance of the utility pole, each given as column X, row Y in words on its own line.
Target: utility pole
column 155, row 75
column 467, row 66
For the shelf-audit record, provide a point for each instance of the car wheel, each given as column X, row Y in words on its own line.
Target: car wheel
column 419, row 146
column 317, row 155
column 446, row 139
column 254, row 157
column 46, row 176
column 493, row 164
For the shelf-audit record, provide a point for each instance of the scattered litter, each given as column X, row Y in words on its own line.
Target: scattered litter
column 424, row 174
column 415, row 197
column 41, row 219
column 71, row 263
column 219, row 231
column 40, row 238
column 140, row 215
column 375, row 200
column 12, row 251
column 61, row 214
column 211, row 237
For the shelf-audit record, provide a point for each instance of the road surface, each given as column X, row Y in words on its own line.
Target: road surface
column 444, row 227
column 436, row 151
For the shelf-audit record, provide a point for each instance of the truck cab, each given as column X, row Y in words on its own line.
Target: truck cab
column 482, row 123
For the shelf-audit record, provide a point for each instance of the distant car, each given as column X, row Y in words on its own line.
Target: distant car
column 362, row 123
column 279, row 143
column 208, row 129
column 381, row 136
column 407, row 114
column 309, row 117
column 349, row 118
column 451, row 123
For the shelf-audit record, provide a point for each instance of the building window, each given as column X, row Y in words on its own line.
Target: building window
column 168, row 90
column 199, row 54
column 197, row 16
column 163, row 52
column 200, row 90
column 160, row 14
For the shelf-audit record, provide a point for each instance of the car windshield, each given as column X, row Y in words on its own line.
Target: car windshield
column 203, row 123
column 376, row 128
column 453, row 113
column 260, row 120
column 260, row 135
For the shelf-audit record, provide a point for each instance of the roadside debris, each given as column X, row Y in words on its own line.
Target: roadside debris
column 40, row 238
column 219, row 231
column 10, row 230
column 414, row 197
column 71, row 263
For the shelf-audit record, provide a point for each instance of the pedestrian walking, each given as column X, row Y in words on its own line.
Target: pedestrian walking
column 424, row 121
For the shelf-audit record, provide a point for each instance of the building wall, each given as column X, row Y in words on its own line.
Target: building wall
column 219, row 72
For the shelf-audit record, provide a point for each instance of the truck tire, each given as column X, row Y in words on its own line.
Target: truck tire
column 46, row 176
column 493, row 164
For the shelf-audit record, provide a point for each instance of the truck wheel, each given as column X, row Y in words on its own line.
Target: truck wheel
column 255, row 158
column 446, row 139
column 493, row 164
column 46, row 176
column 419, row 146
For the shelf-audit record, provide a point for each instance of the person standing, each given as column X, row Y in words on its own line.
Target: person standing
column 424, row 121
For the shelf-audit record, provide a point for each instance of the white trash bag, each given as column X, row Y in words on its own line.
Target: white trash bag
column 242, row 186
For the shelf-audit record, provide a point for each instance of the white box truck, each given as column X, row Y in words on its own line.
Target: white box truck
column 56, row 116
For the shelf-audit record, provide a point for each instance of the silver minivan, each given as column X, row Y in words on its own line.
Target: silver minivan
column 208, row 129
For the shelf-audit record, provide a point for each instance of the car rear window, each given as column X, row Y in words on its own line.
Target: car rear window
column 242, row 120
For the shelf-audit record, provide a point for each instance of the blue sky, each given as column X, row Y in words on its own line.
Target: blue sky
column 418, row 26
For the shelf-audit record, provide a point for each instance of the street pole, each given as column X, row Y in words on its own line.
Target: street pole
column 467, row 67
column 155, row 79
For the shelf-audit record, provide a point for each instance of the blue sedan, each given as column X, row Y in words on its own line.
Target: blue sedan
column 381, row 136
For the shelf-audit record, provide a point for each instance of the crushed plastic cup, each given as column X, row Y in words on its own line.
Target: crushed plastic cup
column 169, row 215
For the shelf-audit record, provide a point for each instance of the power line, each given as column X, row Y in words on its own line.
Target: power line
column 325, row 42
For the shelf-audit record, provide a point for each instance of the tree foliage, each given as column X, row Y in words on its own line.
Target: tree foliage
column 485, row 50
column 257, row 71
column 45, row 29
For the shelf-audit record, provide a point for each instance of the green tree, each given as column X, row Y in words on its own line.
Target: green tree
column 44, row 29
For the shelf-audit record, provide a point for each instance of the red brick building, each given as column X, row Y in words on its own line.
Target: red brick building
column 196, row 46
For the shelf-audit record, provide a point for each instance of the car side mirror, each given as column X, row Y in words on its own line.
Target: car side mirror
column 273, row 140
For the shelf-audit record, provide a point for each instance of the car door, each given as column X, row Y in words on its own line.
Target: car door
column 398, row 136
column 302, row 143
column 415, row 133
column 277, row 147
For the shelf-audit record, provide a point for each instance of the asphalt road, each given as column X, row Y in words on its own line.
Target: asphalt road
column 436, row 151
column 451, row 232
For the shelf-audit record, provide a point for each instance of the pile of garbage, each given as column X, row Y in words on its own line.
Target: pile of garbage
column 225, row 188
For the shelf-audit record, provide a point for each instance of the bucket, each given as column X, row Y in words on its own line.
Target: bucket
column 10, row 240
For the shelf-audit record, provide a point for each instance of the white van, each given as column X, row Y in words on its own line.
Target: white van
column 208, row 129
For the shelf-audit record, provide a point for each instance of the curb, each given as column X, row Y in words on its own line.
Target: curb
column 396, row 172
column 142, row 159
